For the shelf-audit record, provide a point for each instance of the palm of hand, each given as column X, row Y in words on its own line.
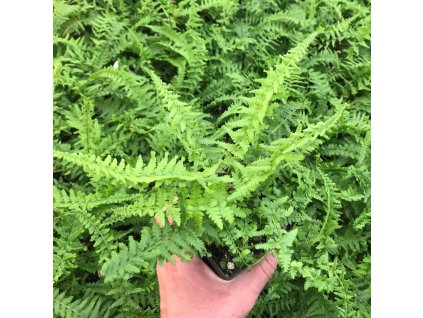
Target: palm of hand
column 193, row 290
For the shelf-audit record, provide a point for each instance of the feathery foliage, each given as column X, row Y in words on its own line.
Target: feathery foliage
column 246, row 121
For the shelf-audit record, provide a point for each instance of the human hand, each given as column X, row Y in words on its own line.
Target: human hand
column 192, row 289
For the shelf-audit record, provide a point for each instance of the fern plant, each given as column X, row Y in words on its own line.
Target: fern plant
column 247, row 122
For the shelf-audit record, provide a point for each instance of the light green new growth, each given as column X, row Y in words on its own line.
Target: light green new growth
column 246, row 128
column 154, row 171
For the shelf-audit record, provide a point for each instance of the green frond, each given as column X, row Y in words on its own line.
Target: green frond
column 75, row 200
column 154, row 171
column 192, row 48
column 190, row 125
column 135, row 87
column 156, row 203
column 66, row 246
column 155, row 244
column 246, row 130
column 91, row 306
column 101, row 236
column 65, row 14
column 283, row 150
column 110, row 39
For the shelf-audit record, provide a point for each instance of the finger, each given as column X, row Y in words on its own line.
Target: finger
column 256, row 279
column 156, row 218
column 169, row 218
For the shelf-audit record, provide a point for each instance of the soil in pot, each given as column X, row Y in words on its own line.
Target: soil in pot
column 222, row 261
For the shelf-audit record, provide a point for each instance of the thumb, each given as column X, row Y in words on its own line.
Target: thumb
column 255, row 280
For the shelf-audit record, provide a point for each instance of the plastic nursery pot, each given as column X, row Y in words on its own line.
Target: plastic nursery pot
column 221, row 261
column 218, row 271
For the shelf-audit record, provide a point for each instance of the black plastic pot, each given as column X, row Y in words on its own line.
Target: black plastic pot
column 221, row 253
column 217, row 270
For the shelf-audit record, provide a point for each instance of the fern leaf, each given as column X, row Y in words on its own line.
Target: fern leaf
column 191, row 127
column 154, row 244
column 109, row 168
column 75, row 200
column 100, row 234
column 91, row 306
column 246, row 130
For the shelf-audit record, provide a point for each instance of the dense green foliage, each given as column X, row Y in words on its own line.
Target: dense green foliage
column 246, row 121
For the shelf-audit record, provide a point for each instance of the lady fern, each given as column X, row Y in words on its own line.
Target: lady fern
column 247, row 122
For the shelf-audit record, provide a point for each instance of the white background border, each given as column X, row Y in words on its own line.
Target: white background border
column 26, row 207
column 397, row 159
